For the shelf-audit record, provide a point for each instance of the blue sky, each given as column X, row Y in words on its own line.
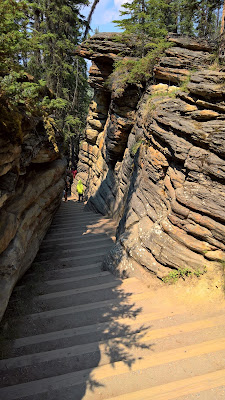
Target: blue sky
column 105, row 12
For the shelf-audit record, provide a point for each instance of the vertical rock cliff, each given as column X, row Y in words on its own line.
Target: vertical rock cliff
column 154, row 158
column 31, row 184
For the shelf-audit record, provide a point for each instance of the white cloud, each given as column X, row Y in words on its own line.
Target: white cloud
column 118, row 3
column 105, row 12
column 109, row 16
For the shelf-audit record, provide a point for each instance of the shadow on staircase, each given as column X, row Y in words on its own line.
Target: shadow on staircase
column 66, row 316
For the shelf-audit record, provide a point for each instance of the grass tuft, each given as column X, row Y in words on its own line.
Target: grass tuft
column 183, row 273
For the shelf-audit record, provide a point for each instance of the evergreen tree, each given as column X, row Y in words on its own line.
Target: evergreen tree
column 148, row 21
column 144, row 17
column 153, row 18
column 206, row 17
column 20, row 96
column 14, row 40
column 171, row 15
column 187, row 10
column 39, row 37
column 56, row 31
column 200, row 17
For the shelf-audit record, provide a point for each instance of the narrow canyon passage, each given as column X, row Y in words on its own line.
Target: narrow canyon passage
column 73, row 331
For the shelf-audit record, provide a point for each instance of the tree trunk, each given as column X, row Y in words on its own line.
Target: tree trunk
column 76, row 86
column 95, row 2
column 37, row 31
column 223, row 19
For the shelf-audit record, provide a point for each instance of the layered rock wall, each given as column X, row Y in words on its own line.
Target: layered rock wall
column 31, row 184
column 157, row 164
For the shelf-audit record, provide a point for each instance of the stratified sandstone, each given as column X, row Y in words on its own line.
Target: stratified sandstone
column 156, row 161
column 31, row 184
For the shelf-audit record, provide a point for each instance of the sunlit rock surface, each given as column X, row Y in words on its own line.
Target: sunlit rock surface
column 31, row 184
column 154, row 159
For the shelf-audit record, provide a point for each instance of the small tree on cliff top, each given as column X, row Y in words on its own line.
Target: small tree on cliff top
column 144, row 19
column 149, row 21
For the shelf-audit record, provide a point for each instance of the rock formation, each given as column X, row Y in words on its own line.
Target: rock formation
column 154, row 158
column 31, row 184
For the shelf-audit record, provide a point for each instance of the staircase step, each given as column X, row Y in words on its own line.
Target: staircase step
column 103, row 330
column 121, row 303
column 79, row 221
column 77, row 278
column 80, row 270
column 86, row 334
column 176, row 389
column 87, row 258
column 121, row 370
column 78, row 215
column 79, row 248
column 64, row 242
column 66, row 293
column 108, row 307
column 61, row 285
column 84, row 226
column 158, row 358
column 75, row 282
column 79, row 252
column 74, row 234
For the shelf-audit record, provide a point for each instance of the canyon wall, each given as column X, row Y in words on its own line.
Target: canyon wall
column 154, row 158
column 31, row 183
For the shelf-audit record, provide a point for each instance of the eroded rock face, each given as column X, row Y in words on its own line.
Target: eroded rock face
column 110, row 118
column 31, row 184
column 158, row 165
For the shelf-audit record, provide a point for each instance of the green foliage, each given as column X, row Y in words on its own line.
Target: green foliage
column 54, row 104
column 144, row 19
column 136, row 71
column 154, row 18
column 199, row 17
column 56, row 30
column 13, row 34
column 10, row 120
column 72, row 124
column 50, row 128
column 135, row 147
column 184, row 85
column 183, row 273
column 148, row 21
column 37, row 42
column 19, row 90
column 206, row 17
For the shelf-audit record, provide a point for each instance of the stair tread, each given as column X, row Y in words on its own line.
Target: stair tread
column 93, row 336
column 149, row 335
column 172, row 390
column 199, row 348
